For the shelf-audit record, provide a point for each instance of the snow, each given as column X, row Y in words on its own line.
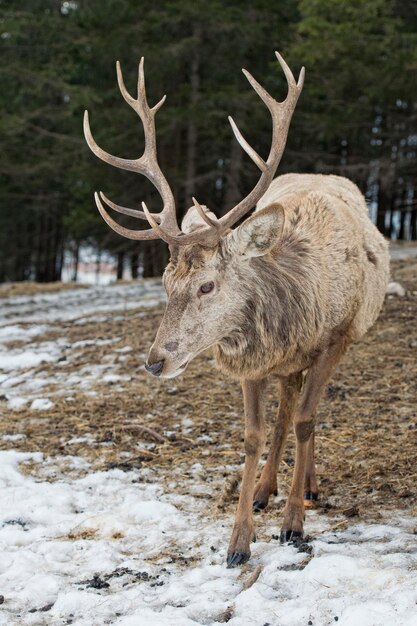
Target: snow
column 41, row 404
column 91, row 548
column 79, row 304
column 24, row 359
column 17, row 402
column 16, row 437
column 395, row 289
column 24, row 319
column 160, row 559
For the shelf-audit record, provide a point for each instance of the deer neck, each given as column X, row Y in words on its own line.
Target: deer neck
column 282, row 316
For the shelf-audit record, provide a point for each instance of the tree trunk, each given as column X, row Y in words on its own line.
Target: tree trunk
column 134, row 265
column 74, row 276
column 57, row 251
column 98, row 261
column 146, row 255
column 403, row 214
column 232, row 194
column 38, row 243
column 154, row 258
column 120, row 264
column 191, row 129
column 384, row 205
column 398, row 194
column 401, row 232
column 413, row 225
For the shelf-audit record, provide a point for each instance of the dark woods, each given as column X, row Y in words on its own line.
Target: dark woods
column 356, row 117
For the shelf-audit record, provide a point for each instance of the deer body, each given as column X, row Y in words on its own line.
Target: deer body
column 327, row 274
column 285, row 292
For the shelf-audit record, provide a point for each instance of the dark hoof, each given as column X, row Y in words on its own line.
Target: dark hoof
column 290, row 536
column 310, row 495
column 258, row 506
column 234, row 559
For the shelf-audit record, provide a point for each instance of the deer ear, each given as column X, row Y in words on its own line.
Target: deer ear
column 260, row 232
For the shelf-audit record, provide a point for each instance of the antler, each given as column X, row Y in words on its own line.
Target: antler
column 281, row 113
column 147, row 165
column 164, row 224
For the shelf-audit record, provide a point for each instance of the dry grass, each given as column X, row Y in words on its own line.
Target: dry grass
column 28, row 288
column 366, row 433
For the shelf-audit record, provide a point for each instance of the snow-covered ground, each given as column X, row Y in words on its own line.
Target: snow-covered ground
column 90, row 548
column 26, row 317
column 113, row 548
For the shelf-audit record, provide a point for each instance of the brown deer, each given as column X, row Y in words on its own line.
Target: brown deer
column 285, row 292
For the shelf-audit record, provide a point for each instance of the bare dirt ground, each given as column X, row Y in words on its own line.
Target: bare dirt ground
column 366, row 432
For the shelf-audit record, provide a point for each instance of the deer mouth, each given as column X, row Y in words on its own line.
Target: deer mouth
column 173, row 373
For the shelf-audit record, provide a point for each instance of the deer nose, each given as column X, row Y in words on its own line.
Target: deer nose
column 155, row 368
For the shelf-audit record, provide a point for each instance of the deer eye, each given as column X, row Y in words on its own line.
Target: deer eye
column 206, row 288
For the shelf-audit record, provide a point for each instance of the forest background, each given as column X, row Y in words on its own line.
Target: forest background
column 356, row 117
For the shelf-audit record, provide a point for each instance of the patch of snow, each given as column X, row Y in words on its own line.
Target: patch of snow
column 403, row 252
column 88, row 440
column 24, row 359
column 20, row 333
column 16, row 437
column 41, row 404
column 115, row 378
column 395, row 289
column 23, row 318
column 17, row 403
column 82, row 305
column 93, row 342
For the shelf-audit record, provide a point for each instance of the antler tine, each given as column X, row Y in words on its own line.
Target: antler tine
column 288, row 73
column 141, row 80
column 124, row 164
column 120, row 81
column 266, row 98
column 204, row 215
column 121, row 209
column 246, row 147
column 158, row 105
column 120, row 230
column 300, row 82
column 161, row 234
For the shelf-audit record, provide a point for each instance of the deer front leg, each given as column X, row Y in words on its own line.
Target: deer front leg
column 239, row 551
column 304, row 422
column 267, row 485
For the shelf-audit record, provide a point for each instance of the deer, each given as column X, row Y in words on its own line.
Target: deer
column 283, row 293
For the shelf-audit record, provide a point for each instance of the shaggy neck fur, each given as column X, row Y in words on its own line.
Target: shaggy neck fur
column 281, row 319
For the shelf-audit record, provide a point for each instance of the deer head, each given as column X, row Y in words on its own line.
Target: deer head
column 210, row 263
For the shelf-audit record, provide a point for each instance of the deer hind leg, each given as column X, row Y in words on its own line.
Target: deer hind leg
column 267, row 485
column 239, row 551
column 311, row 490
column 315, row 382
